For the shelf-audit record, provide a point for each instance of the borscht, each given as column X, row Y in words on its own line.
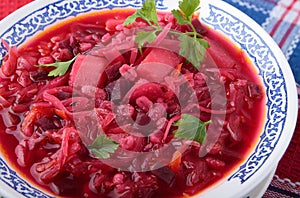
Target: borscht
column 128, row 103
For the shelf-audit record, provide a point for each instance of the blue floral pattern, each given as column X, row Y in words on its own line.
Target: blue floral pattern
column 274, row 82
column 12, row 179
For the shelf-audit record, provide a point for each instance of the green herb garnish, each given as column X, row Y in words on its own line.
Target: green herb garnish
column 143, row 37
column 103, row 146
column 147, row 12
column 187, row 9
column 191, row 128
column 192, row 50
column 61, row 67
column 192, row 44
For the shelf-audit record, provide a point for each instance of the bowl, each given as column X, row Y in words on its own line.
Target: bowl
column 252, row 176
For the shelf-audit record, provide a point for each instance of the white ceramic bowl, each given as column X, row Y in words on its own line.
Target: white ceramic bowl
column 270, row 63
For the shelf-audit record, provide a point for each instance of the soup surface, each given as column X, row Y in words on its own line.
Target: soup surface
column 115, row 124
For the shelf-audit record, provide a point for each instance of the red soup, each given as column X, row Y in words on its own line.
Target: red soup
column 110, row 119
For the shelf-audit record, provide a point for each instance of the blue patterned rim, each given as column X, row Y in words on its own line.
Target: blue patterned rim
column 219, row 19
column 273, row 80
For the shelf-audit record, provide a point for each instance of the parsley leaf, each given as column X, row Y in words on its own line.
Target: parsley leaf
column 204, row 43
column 192, row 50
column 192, row 45
column 103, row 146
column 143, row 37
column 188, row 7
column 131, row 19
column 147, row 12
column 191, row 128
column 61, row 67
column 179, row 17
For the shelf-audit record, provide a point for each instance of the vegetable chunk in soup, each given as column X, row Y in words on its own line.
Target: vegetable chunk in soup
column 128, row 103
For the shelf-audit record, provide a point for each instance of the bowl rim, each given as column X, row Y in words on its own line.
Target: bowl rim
column 292, row 99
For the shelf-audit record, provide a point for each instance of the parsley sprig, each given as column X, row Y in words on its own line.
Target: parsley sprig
column 103, row 146
column 147, row 12
column 185, row 12
column 192, row 44
column 61, row 67
column 191, row 128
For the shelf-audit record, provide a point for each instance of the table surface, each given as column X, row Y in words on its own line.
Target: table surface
column 281, row 19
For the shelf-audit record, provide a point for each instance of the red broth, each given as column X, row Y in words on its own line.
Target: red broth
column 41, row 141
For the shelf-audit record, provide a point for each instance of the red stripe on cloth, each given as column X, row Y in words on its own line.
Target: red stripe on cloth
column 288, row 32
column 271, row 1
column 276, row 26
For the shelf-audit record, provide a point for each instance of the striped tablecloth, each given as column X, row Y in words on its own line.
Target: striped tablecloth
column 281, row 19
